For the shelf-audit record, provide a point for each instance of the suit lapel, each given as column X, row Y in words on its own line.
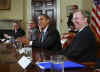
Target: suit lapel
column 46, row 34
column 40, row 37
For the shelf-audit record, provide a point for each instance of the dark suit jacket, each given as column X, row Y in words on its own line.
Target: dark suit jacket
column 70, row 23
column 34, row 34
column 1, row 35
column 83, row 46
column 51, row 41
column 19, row 33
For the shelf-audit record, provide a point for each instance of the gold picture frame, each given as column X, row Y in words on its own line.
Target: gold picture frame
column 5, row 4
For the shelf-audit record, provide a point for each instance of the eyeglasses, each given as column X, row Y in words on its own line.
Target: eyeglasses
column 31, row 23
column 76, row 18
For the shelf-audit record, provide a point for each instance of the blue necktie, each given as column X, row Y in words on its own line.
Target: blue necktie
column 42, row 39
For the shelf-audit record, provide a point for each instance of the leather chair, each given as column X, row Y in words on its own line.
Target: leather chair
column 66, row 39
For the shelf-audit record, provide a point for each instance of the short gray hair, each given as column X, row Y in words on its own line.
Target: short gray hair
column 86, row 14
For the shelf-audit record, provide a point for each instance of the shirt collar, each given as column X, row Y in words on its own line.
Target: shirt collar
column 44, row 30
column 82, row 28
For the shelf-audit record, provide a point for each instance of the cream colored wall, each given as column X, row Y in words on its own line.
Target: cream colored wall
column 20, row 9
column 27, row 14
column 87, row 5
column 64, row 4
column 16, row 11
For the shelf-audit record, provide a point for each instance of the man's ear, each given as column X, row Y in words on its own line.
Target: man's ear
column 48, row 20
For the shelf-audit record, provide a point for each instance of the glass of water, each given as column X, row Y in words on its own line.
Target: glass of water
column 58, row 60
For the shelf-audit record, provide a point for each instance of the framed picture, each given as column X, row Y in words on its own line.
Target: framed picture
column 4, row 4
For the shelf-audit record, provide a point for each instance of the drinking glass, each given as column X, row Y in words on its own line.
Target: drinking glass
column 28, row 51
column 38, row 57
column 58, row 60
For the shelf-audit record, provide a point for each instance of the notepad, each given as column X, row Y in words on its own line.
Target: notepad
column 24, row 62
column 67, row 65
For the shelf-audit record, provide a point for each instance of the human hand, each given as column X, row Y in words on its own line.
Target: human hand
column 6, row 35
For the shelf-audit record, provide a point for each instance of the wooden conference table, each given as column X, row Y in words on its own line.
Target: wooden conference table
column 9, row 58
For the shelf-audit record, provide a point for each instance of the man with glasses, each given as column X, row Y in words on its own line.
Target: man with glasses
column 33, row 31
column 16, row 32
column 83, row 46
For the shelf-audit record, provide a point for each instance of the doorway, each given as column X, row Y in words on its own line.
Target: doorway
column 44, row 7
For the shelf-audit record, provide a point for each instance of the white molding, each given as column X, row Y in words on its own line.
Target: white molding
column 58, row 15
column 29, row 12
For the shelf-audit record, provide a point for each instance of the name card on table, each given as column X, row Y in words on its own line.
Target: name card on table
column 24, row 62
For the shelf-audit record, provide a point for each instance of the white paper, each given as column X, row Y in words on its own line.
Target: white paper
column 40, row 65
column 24, row 62
column 63, row 41
column 3, row 40
column 21, row 51
column 30, row 43
column 9, row 37
column 8, row 41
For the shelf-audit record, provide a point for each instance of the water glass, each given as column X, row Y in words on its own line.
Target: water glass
column 58, row 60
column 38, row 56
column 28, row 52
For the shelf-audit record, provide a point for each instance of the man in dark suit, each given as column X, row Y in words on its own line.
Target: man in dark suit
column 49, row 36
column 70, row 17
column 83, row 46
column 16, row 32
column 1, row 35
